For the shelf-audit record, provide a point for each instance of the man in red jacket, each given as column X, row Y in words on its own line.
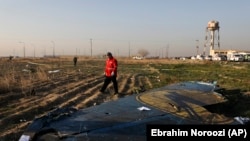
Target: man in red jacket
column 110, row 73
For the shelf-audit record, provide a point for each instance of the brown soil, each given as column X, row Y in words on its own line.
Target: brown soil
column 76, row 88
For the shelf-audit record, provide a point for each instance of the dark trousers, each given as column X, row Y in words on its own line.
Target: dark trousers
column 107, row 81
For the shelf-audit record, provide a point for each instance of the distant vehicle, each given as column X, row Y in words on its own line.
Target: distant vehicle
column 182, row 58
column 237, row 58
column 216, row 58
column 223, row 57
column 193, row 57
column 198, row 57
column 219, row 57
column 246, row 57
column 209, row 57
column 138, row 57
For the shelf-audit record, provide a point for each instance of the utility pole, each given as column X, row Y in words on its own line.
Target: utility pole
column 197, row 47
column 162, row 53
column 167, row 51
column 23, row 49
column 34, row 50
column 91, row 47
column 44, row 51
column 53, row 48
column 129, row 49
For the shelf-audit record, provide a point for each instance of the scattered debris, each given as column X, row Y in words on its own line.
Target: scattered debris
column 35, row 63
column 24, row 138
column 22, row 120
column 176, row 107
column 25, row 70
column 54, row 71
column 143, row 108
column 33, row 92
column 137, row 90
column 243, row 120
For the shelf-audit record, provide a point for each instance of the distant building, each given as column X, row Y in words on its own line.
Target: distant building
column 231, row 53
column 225, row 52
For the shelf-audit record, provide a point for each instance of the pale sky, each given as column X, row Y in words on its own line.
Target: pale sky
column 162, row 27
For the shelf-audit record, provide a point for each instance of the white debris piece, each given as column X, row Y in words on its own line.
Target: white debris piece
column 24, row 138
column 242, row 120
column 143, row 108
column 25, row 70
column 54, row 71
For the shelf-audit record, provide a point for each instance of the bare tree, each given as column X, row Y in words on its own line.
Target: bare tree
column 143, row 52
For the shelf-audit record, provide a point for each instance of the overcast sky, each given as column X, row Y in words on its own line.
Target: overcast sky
column 163, row 27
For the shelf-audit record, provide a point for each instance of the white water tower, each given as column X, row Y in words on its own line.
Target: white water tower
column 212, row 37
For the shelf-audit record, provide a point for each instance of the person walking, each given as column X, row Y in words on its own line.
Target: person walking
column 110, row 73
column 75, row 60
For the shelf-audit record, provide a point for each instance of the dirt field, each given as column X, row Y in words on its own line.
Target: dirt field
column 69, row 87
column 64, row 85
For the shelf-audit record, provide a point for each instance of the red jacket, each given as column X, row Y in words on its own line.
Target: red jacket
column 111, row 66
